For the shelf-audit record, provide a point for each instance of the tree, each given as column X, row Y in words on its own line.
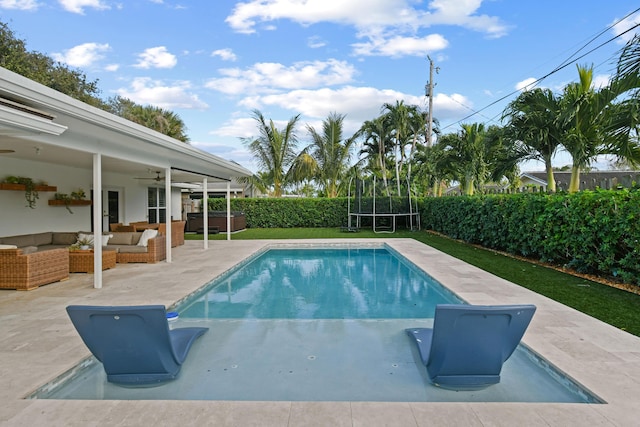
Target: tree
column 164, row 121
column 376, row 146
column 476, row 155
column 432, row 167
column 73, row 82
column 402, row 119
column 326, row 158
column 628, row 67
column 38, row 67
column 532, row 128
column 594, row 124
column 274, row 150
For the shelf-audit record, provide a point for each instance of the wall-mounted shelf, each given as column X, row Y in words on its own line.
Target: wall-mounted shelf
column 56, row 202
column 22, row 187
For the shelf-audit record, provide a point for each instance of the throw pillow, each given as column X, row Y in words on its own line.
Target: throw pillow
column 105, row 239
column 146, row 235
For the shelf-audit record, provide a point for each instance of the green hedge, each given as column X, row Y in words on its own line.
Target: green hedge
column 288, row 212
column 595, row 232
column 590, row 232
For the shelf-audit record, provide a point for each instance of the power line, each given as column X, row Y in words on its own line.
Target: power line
column 564, row 64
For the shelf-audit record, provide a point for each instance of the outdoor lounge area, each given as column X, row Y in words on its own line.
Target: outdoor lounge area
column 31, row 260
column 601, row 358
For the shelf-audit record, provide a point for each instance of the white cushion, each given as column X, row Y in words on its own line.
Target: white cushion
column 8, row 247
column 146, row 235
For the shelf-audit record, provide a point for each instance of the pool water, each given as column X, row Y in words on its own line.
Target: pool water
column 319, row 325
column 356, row 283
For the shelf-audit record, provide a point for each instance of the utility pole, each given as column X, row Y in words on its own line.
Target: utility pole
column 429, row 89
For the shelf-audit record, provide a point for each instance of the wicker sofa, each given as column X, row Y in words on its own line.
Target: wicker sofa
column 29, row 271
column 35, row 259
column 125, row 243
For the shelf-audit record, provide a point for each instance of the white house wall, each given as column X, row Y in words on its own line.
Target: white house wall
column 16, row 218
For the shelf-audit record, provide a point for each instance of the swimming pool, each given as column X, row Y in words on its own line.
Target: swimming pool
column 354, row 351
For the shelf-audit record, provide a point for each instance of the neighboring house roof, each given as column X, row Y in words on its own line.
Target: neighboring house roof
column 37, row 122
column 588, row 180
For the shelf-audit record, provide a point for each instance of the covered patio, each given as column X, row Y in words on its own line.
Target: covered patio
column 129, row 172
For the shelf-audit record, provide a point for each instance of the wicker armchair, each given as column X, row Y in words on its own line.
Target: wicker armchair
column 156, row 251
column 177, row 232
column 25, row 272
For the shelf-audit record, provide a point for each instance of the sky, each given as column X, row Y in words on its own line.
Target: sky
column 212, row 62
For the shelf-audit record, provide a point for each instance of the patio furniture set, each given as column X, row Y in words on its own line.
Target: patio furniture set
column 32, row 260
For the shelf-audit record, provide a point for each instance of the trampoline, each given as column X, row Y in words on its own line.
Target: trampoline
column 380, row 206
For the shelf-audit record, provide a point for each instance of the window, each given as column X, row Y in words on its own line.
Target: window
column 156, row 205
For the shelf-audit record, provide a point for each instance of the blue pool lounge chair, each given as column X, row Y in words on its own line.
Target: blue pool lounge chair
column 134, row 343
column 468, row 344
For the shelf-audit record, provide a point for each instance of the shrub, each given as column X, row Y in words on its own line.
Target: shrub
column 595, row 232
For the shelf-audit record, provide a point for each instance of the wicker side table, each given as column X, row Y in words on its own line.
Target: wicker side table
column 82, row 261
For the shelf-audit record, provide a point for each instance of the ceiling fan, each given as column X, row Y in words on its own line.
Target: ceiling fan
column 157, row 178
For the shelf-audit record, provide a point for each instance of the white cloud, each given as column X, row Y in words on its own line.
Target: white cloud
column 146, row 91
column 112, row 67
column 526, row 84
column 225, row 54
column 315, row 42
column 356, row 103
column 624, row 26
column 83, row 55
column 19, row 4
column 265, row 77
column 243, row 127
column 156, row 57
column 600, row 81
column 397, row 46
column 77, row 6
column 379, row 14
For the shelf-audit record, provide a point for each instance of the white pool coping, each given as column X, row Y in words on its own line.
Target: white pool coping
column 40, row 344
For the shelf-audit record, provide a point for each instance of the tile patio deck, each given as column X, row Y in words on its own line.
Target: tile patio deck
column 38, row 343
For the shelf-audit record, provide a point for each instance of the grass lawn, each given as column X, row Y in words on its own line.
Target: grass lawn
column 614, row 306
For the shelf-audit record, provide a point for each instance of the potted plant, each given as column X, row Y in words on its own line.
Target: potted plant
column 83, row 244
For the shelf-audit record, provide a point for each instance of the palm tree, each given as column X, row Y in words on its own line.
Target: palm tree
column 501, row 157
column 532, row 128
column 464, row 155
column 628, row 67
column 401, row 117
column 594, row 124
column 274, row 151
column 477, row 154
column 377, row 144
column 432, row 167
column 326, row 159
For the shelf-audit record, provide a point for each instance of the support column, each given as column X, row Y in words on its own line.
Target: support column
column 228, row 210
column 168, row 207
column 97, row 221
column 205, row 212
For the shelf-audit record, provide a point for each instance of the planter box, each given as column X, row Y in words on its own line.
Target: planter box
column 55, row 202
column 22, row 187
